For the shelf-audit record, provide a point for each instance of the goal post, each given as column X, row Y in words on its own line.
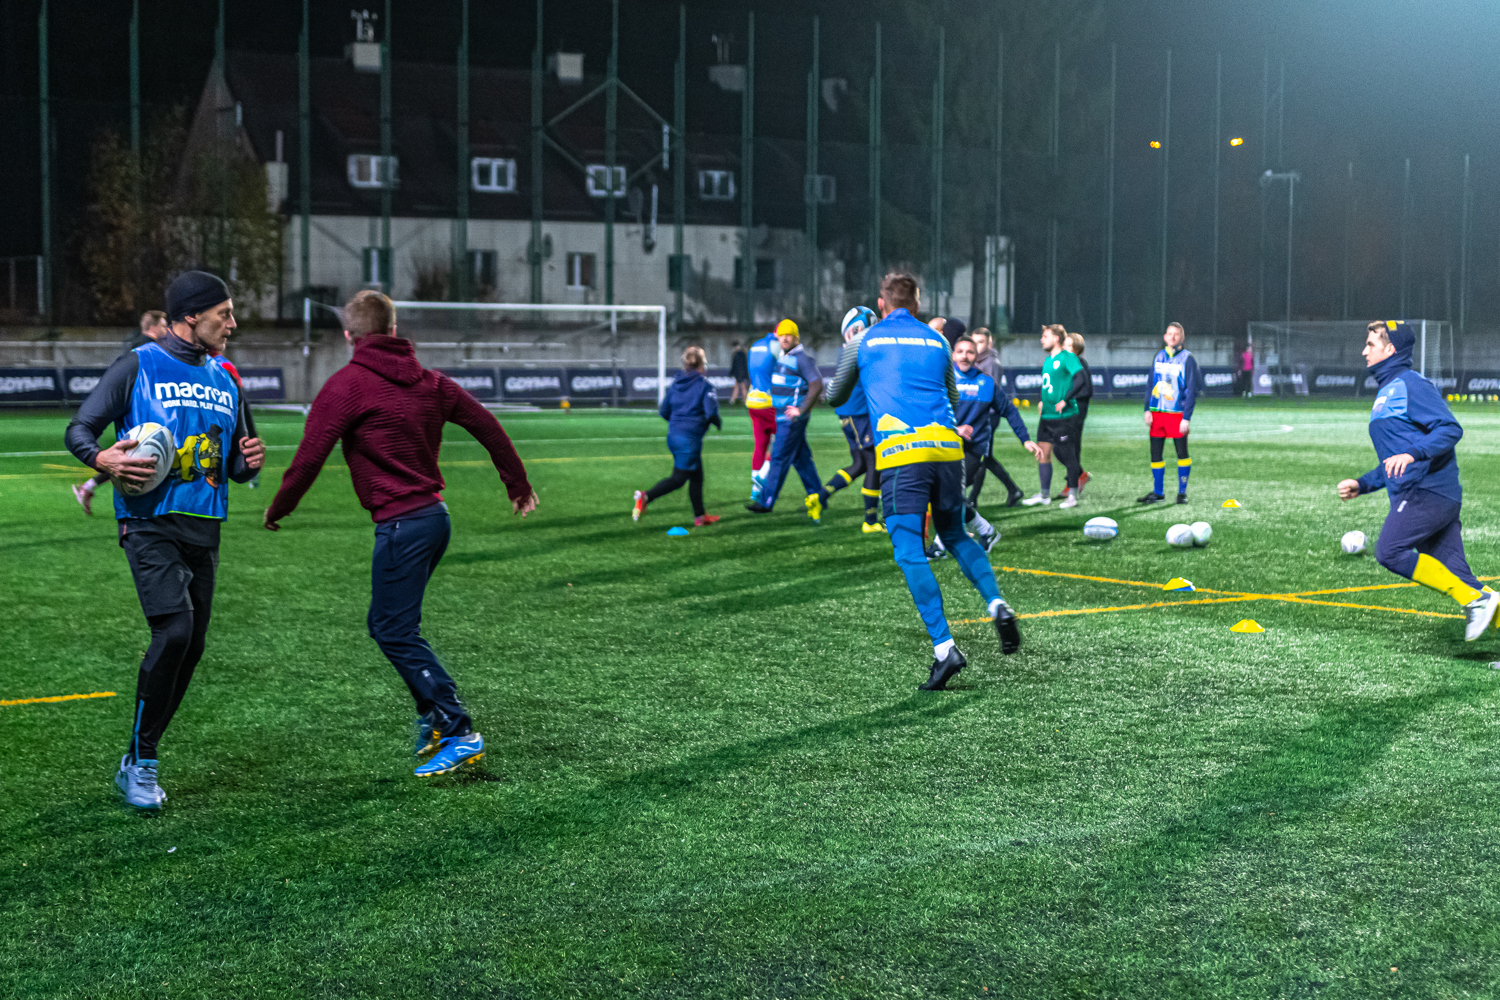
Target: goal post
column 1323, row 358
column 537, row 353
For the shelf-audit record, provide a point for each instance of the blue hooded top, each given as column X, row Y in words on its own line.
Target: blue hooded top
column 689, row 406
column 1409, row 415
column 980, row 405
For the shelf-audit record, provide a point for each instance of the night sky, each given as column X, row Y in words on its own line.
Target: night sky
column 1373, row 81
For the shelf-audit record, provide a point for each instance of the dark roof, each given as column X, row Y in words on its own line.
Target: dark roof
column 346, row 120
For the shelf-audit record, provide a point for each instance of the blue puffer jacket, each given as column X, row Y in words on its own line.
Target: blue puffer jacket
column 1409, row 415
column 690, row 406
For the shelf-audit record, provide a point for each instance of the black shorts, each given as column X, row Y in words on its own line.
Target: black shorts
column 857, row 432
column 1057, row 429
column 170, row 574
column 909, row 489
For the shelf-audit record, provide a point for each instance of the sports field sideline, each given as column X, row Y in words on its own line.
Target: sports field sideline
column 710, row 773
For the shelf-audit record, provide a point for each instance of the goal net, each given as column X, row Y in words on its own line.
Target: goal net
column 1323, row 358
column 538, row 354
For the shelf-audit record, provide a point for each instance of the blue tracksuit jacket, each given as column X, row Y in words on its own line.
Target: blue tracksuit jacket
column 689, row 407
column 980, row 405
column 1409, row 415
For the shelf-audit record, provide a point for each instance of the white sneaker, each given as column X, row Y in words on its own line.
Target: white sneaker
column 1040, row 498
column 1480, row 613
column 1070, row 499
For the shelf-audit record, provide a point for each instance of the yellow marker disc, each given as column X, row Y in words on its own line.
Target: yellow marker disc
column 1178, row 583
column 1231, row 503
column 1246, row 625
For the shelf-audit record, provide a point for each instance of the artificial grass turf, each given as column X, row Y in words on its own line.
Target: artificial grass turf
column 709, row 771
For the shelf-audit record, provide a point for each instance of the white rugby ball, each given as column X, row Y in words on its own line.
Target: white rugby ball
column 1101, row 528
column 1180, row 535
column 155, row 442
column 1202, row 532
column 1353, row 542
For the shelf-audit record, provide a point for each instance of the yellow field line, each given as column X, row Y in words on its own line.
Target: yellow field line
column 1295, row 599
column 58, row 697
column 1078, row 576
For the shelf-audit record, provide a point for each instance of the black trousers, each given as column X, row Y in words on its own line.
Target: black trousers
column 407, row 553
column 694, row 480
column 175, row 582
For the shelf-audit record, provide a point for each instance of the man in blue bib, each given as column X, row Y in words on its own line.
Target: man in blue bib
column 171, row 534
column 907, row 375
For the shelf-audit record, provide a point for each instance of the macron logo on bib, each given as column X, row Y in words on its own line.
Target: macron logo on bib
column 193, row 394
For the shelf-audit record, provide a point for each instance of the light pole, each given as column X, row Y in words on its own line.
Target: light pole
column 1291, row 177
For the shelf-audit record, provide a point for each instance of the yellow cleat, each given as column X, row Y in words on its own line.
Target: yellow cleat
column 873, row 529
column 814, row 505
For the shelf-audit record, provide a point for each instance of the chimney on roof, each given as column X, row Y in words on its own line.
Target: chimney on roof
column 364, row 52
column 567, row 65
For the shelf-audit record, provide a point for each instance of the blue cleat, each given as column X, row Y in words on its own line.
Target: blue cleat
column 137, row 782
column 427, row 737
column 453, row 753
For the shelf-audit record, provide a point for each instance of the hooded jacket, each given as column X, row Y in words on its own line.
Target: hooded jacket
column 690, row 405
column 389, row 411
column 1409, row 416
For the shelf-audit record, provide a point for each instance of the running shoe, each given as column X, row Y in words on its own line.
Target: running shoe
column 1040, row 498
column 704, row 519
column 137, row 782
column 1480, row 612
column 1152, row 497
column 1083, row 480
column 872, row 529
column 1070, row 499
column 1014, row 497
column 453, row 753
column 1182, row 498
column 756, row 507
column 814, row 505
column 427, row 737
column 944, row 670
column 1008, row 630
column 640, row 505
column 987, row 539
column 936, row 553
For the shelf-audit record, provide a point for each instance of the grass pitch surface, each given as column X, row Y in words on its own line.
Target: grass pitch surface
column 709, row 771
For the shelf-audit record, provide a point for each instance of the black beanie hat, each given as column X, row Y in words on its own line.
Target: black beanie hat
column 1403, row 338
column 191, row 292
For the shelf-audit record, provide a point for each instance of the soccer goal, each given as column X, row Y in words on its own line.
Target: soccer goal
column 1323, row 358
column 543, row 354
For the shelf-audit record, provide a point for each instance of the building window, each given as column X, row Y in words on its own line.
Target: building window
column 598, row 185
column 820, row 189
column 580, row 270
column 492, row 175
column 375, row 266
column 366, row 171
column 765, row 273
column 483, row 269
column 716, row 185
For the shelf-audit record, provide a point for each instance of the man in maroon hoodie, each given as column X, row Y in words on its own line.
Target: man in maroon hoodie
column 389, row 413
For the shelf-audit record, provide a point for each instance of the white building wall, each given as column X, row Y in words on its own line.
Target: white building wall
column 641, row 278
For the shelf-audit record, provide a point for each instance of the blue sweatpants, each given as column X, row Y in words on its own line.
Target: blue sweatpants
column 790, row 451
column 906, row 492
column 407, row 552
column 1424, row 523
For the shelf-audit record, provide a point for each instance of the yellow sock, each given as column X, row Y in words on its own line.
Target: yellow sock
column 1431, row 573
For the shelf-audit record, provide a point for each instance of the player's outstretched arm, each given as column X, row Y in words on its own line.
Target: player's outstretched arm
column 846, row 375
column 465, row 411
column 327, row 419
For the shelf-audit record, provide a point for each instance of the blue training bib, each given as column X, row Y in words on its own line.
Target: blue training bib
column 200, row 406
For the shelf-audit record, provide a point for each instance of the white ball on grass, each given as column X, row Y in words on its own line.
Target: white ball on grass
column 1101, row 528
column 1353, row 542
column 1202, row 532
column 1180, row 535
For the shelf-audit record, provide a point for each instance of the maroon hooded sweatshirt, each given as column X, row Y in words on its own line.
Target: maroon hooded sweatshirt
column 389, row 413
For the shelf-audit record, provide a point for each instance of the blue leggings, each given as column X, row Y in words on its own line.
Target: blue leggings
column 906, row 537
column 1424, row 523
